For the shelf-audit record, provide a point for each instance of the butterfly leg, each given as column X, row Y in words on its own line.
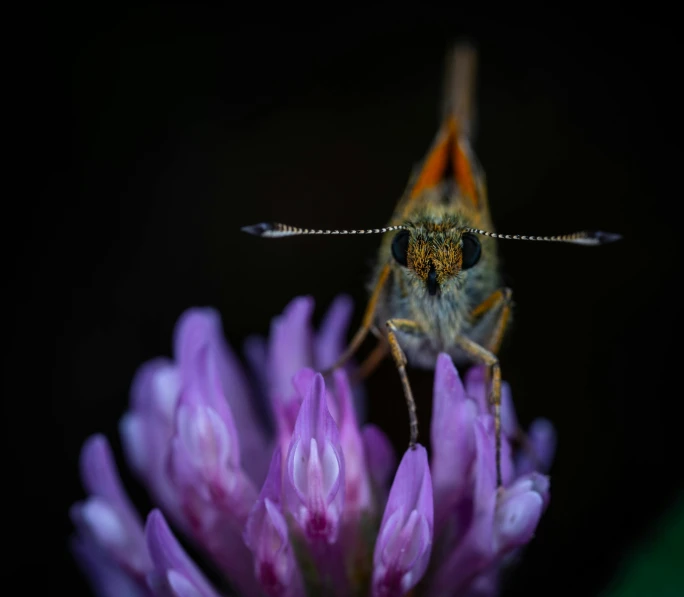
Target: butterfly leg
column 366, row 324
column 500, row 304
column 480, row 354
column 404, row 325
column 372, row 361
column 497, row 306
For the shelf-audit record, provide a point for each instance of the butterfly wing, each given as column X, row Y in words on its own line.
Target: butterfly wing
column 450, row 162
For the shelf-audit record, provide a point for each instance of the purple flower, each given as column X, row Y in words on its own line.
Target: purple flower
column 404, row 542
column 173, row 574
column 479, row 524
column 267, row 536
column 110, row 544
column 272, row 479
column 314, row 478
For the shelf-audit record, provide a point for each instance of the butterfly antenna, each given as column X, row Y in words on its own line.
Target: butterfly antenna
column 595, row 237
column 276, row 230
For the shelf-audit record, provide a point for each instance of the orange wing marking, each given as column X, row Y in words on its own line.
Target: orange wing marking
column 449, row 146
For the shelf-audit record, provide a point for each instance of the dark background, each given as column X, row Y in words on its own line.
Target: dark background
column 166, row 129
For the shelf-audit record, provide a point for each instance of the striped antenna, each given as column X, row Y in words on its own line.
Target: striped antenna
column 595, row 237
column 276, row 230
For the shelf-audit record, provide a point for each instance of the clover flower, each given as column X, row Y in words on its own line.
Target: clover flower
column 271, row 478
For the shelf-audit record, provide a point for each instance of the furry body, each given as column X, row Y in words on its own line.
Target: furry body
column 435, row 219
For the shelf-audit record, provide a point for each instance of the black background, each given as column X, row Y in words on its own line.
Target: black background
column 164, row 129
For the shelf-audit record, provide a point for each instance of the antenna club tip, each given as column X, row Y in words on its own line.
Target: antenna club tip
column 258, row 229
column 603, row 238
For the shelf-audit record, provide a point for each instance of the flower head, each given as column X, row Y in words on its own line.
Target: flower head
column 272, row 478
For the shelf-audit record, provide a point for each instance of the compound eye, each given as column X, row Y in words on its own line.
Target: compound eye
column 471, row 250
column 400, row 245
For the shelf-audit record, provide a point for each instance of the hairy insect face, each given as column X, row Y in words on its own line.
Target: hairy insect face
column 434, row 255
column 435, row 258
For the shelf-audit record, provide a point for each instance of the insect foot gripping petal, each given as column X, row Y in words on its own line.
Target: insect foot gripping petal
column 484, row 356
column 518, row 512
column 394, row 325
